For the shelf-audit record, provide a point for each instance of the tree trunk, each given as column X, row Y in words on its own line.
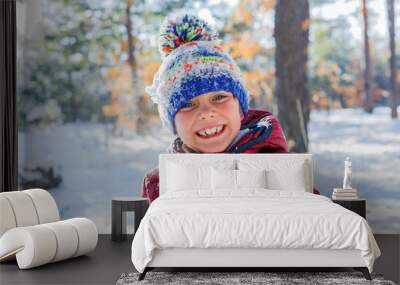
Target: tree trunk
column 131, row 44
column 138, row 117
column 291, row 36
column 368, row 106
column 393, row 75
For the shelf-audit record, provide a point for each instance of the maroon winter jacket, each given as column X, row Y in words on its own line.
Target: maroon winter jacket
column 260, row 132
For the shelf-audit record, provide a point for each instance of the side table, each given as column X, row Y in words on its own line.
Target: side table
column 119, row 207
column 357, row 206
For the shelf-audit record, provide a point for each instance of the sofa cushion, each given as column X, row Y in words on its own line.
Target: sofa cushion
column 40, row 244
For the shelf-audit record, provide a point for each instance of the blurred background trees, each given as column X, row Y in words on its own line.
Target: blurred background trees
column 393, row 70
column 94, row 58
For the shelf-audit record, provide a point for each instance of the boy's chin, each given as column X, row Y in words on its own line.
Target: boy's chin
column 216, row 144
column 211, row 149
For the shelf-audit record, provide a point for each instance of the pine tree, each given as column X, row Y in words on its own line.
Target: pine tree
column 291, row 36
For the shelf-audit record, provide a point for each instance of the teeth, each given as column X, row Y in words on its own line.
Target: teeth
column 210, row 131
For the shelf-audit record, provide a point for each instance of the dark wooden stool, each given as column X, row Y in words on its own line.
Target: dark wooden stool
column 119, row 207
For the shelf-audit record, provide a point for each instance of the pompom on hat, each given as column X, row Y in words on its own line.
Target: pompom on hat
column 193, row 64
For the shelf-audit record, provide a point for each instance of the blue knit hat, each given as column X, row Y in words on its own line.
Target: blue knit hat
column 193, row 64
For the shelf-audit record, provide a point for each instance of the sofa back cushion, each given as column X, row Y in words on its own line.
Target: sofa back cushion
column 26, row 208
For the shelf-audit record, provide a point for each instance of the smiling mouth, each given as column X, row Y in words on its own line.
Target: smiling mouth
column 211, row 132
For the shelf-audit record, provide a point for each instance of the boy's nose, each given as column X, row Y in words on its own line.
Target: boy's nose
column 206, row 112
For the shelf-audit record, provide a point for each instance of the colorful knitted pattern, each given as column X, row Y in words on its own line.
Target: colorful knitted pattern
column 193, row 64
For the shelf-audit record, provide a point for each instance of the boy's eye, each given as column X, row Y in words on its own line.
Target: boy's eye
column 221, row 97
column 188, row 105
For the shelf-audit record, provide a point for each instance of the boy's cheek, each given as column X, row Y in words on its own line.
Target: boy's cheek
column 183, row 129
column 233, row 109
column 180, row 119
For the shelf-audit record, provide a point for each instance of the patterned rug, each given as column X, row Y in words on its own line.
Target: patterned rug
column 269, row 278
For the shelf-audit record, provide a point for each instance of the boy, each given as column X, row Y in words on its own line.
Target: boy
column 202, row 100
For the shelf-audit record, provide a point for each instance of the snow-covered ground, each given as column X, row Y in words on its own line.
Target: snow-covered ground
column 96, row 166
column 373, row 143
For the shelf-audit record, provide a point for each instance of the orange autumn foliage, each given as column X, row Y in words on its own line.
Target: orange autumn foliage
column 343, row 86
column 305, row 25
column 149, row 70
column 122, row 101
column 243, row 13
column 119, row 82
column 253, row 79
column 266, row 5
column 243, row 46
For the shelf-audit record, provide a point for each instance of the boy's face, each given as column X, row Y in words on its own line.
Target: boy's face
column 209, row 122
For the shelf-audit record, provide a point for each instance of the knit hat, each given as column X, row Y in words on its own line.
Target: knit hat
column 193, row 64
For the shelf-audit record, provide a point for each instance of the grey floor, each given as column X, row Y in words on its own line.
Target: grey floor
column 102, row 266
column 111, row 259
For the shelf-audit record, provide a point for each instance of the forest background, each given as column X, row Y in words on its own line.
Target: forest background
column 88, row 131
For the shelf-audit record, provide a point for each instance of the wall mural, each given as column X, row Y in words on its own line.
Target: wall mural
column 89, row 129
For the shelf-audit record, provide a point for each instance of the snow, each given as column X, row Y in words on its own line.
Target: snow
column 96, row 166
column 373, row 143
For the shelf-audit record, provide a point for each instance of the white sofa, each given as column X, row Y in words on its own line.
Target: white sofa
column 31, row 231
